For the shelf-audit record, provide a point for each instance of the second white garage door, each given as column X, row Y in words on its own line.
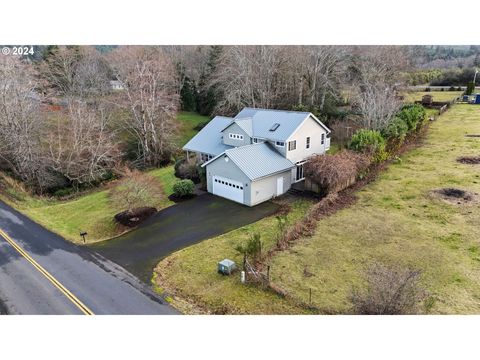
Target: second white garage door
column 228, row 188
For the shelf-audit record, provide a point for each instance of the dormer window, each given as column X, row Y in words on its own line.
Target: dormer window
column 235, row 136
column 274, row 127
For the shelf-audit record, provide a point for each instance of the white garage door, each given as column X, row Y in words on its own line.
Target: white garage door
column 228, row 188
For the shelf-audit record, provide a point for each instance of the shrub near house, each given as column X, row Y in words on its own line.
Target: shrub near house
column 332, row 173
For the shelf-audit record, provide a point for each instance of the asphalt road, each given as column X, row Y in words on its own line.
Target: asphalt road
column 41, row 273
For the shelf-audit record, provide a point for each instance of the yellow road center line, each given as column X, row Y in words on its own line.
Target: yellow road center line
column 49, row 276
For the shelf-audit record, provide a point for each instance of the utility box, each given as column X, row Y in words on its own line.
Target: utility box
column 226, row 267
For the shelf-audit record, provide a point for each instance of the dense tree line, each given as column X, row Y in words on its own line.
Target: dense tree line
column 94, row 129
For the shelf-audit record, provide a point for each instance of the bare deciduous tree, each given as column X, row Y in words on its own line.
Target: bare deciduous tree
column 251, row 76
column 75, row 71
column 21, row 123
column 321, row 70
column 83, row 147
column 151, row 97
column 136, row 190
column 376, row 75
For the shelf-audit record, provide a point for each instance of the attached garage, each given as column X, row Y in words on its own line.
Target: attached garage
column 249, row 174
column 228, row 188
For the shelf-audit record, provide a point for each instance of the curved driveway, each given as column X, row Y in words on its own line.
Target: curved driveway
column 176, row 227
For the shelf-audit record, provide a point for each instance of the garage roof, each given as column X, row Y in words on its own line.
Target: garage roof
column 209, row 139
column 256, row 160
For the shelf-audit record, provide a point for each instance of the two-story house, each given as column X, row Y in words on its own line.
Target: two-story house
column 258, row 154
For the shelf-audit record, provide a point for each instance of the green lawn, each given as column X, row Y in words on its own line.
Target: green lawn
column 191, row 273
column 92, row 212
column 188, row 124
column 394, row 221
column 437, row 95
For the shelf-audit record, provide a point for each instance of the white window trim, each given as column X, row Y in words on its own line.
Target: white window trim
column 308, row 143
column 322, row 138
column 292, row 142
column 235, row 136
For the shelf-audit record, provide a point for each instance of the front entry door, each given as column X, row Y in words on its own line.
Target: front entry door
column 280, row 186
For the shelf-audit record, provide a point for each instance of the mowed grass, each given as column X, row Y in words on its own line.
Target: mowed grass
column 92, row 212
column 411, row 97
column 189, row 122
column 397, row 221
column 394, row 221
column 191, row 273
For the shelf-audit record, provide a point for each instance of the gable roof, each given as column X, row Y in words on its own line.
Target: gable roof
column 245, row 124
column 209, row 139
column 262, row 120
column 256, row 160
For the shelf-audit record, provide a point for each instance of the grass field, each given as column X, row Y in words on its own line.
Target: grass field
column 394, row 221
column 92, row 212
column 437, row 95
column 188, row 125
column 191, row 273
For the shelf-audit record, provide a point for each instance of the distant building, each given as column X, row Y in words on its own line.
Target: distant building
column 116, row 85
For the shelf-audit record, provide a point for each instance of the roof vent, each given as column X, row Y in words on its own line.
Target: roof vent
column 274, row 127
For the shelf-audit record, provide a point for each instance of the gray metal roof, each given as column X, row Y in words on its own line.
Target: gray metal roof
column 257, row 160
column 246, row 125
column 209, row 139
column 262, row 121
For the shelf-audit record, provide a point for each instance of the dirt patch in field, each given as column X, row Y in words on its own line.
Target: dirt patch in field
column 471, row 160
column 456, row 196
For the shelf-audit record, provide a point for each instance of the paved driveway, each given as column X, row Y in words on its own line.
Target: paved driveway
column 176, row 227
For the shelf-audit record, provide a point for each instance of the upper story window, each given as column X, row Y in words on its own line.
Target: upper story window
column 323, row 139
column 307, row 145
column 280, row 143
column 235, row 136
column 292, row 145
column 255, row 140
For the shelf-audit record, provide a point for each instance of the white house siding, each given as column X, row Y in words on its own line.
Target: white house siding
column 229, row 170
column 235, row 129
column 309, row 128
column 266, row 188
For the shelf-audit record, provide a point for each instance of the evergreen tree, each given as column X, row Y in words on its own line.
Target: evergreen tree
column 188, row 95
column 208, row 95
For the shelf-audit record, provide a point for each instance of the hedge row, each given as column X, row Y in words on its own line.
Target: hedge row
column 409, row 119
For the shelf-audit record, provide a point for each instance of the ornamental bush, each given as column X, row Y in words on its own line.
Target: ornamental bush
column 396, row 130
column 188, row 169
column 412, row 115
column 183, row 188
column 370, row 142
